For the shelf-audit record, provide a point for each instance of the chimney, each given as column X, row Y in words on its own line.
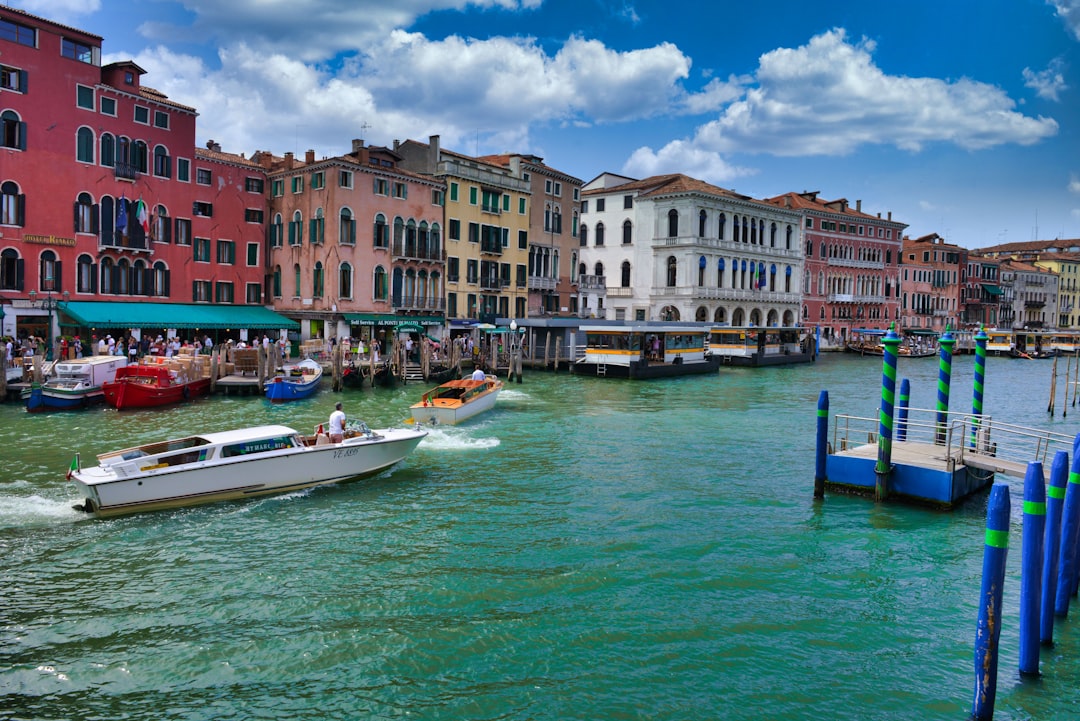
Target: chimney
column 515, row 166
column 858, row 205
column 890, row 215
column 289, row 160
column 309, row 157
column 787, row 201
column 397, row 143
column 211, row 145
column 433, row 153
column 357, row 145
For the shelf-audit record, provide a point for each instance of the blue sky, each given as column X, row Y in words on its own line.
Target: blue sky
column 958, row 117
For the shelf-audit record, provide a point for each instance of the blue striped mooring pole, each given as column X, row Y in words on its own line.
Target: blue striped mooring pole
column 1070, row 521
column 1055, row 499
column 885, row 418
column 822, row 444
column 943, row 382
column 902, row 410
column 981, row 340
column 988, row 631
column 1031, row 560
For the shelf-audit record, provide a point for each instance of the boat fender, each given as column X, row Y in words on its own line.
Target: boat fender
column 187, row 393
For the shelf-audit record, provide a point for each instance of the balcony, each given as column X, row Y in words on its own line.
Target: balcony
column 592, row 282
column 852, row 263
column 537, row 282
column 411, row 251
column 1034, row 304
column 739, row 294
column 493, row 284
column 125, row 171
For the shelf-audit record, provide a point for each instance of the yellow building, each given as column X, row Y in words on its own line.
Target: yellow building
column 1067, row 267
column 486, row 216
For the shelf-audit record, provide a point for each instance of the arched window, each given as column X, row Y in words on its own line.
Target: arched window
column 138, row 278
column 410, row 239
column 11, row 270
column 160, row 280
column 381, row 287
column 296, row 230
column 673, row 223
column 625, row 275
column 599, row 270
column 85, row 214
column 12, row 204
column 108, row 276
column 702, row 263
column 107, row 156
column 423, row 240
column 317, row 280
column 435, row 242
column 790, row 232
column 627, row 232
column 296, row 277
column 672, row 265
column 84, row 146
column 584, row 235
column 345, row 281
column 85, row 279
column 399, row 233
column 160, row 227
column 772, row 235
column 277, row 281
column 140, row 156
column 108, row 218
column 162, row 162
column 346, row 227
column 277, row 232
column 123, row 151
column 49, row 272
column 723, row 223
column 12, row 131
column 318, row 226
column 123, row 277
column 736, row 226
column 703, row 219
column 599, row 235
column 382, row 234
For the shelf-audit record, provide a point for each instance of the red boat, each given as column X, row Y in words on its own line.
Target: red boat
column 146, row 386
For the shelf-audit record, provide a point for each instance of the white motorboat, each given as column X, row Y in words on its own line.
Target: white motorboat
column 234, row 464
column 457, row 400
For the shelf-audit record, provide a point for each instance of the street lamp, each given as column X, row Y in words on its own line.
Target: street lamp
column 50, row 304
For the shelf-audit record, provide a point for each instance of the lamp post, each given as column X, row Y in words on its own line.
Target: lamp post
column 48, row 303
column 515, row 351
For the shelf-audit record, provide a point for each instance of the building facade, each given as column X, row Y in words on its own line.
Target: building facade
column 486, row 215
column 671, row 247
column 1033, row 293
column 938, row 306
column 852, row 265
column 982, row 294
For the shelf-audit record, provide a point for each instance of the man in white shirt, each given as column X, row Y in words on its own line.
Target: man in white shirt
column 337, row 425
column 479, row 375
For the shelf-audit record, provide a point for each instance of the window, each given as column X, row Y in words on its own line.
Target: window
column 11, row 269
column 382, row 232
column 437, row 197
column 401, row 191
column 627, row 202
column 346, row 227
column 17, row 33
column 277, row 188
column 627, row 232
column 183, row 231
column 160, row 227
column 12, row 205
column 85, row 214
column 454, row 229
column 296, row 229
column 129, row 78
column 84, row 97
column 223, row 292
column 317, row 227
column 78, row 51
column 472, row 270
column 203, row 176
column 345, row 281
column 600, row 205
column 381, row 286
column 108, row 274
column 162, row 164
column 202, row 250
column 253, row 255
column 523, row 239
column 253, row 215
column 452, row 269
column 276, row 282
column 472, row 195
column 454, row 192
column 12, row 79
column 253, row 185
column 521, row 206
column 142, row 115
column 183, row 170
column 12, row 131
column 599, row 240
column 108, row 106
column 205, row 210
column 253, row 294
column 296, row 279
column 345, row 179
column 85, row 275
column 298, row 184
column 139, row 156
column 161, row 120
column 318, row 180
column 381, row 186
column 625, row 274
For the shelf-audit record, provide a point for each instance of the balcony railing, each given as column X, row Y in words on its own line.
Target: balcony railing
column 591, row 282
column 537, row 282
column 403, row 249
column 125, row 171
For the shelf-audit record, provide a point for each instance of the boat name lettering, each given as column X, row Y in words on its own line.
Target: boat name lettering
column 346, row 452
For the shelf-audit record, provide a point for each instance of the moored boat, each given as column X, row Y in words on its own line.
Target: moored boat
column 159, row 382
column 74, row 383
column 241, row 463
column 457, row 400
column 296, row 381
column 645, row 350
column 755, row 346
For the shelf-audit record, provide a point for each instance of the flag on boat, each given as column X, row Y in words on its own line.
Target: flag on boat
column 142, row 215
column 74, row 467
column 121, row 216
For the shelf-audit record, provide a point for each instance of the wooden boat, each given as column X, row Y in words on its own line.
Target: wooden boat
column 754, row 346
column 645, row 350
column 457, row 400
column 293, row 382
column 74, row 383
column 158, row 383
column 240, row 463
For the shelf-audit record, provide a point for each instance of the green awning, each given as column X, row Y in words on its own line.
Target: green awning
column 388, row 319
column 991, row 289
column 94, row 314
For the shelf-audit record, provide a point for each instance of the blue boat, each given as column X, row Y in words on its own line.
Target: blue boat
column 294, row 382
column 74, row 384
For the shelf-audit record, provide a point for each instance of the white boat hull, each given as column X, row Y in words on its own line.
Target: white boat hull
column 451, row 416
column 109, row 491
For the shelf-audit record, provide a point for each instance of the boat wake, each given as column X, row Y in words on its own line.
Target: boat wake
column 30, row 510
column 450, row 438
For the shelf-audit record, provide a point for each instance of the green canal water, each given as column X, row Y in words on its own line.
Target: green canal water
column 590, row 549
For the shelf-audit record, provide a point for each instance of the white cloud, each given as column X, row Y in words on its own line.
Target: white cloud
column 1049, row 83
column 681, row 156
column 1069, row 12
column 828, row 98
column 1074, row 185
column 60, row 11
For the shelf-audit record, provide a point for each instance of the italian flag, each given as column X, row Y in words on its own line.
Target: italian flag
column 74, row 467
column 142, row 215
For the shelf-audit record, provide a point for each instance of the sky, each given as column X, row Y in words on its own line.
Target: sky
column 959, row 117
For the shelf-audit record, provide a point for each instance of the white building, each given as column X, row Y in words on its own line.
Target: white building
column 671, row 247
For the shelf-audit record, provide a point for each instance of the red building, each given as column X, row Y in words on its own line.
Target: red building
column 104, row 199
